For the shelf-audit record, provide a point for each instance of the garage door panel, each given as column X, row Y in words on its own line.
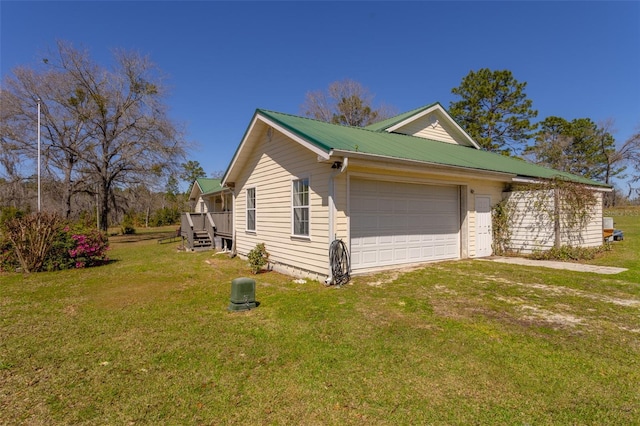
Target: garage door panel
column 415, row 254
column 413, row 239
column 398, row 253
column 385, row 239
column 394, row 223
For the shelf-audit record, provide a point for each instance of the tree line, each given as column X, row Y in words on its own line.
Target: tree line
column 109, row 147
column 493, row 108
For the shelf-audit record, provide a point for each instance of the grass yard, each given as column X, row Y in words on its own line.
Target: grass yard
column 148, row 339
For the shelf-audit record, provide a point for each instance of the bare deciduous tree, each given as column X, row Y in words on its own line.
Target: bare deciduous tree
column 346, row 102
column 64, row 131
column 629, row 153
column 103, row 128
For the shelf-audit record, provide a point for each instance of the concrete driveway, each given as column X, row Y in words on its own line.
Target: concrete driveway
column 579, row 267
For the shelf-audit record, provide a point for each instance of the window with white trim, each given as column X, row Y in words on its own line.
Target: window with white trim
column 251, row 209
column 300, row 207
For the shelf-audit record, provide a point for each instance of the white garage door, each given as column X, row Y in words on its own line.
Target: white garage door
column 397, row 223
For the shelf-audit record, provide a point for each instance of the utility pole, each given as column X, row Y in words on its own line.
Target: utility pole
column 39, row 203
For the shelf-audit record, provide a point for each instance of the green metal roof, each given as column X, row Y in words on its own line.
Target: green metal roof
column 331, row 137
column 389, row 122
column 207, row 185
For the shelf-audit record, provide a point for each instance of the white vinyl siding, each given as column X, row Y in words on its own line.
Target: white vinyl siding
column 534, row 228
column 428, row 128
column 271, row 166
column 396, row 223
column 300, row 207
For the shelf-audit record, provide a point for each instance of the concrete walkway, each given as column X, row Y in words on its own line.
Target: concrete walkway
column 610, row 270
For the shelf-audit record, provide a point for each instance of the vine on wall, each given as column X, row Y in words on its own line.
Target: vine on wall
column 501, row 216
column 567, row 205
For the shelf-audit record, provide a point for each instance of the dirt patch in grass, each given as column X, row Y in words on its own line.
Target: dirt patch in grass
column 536, row 313
column 381, row 279
column 518, row 300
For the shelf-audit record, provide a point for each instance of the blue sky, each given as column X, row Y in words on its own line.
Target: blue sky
column 225, row 59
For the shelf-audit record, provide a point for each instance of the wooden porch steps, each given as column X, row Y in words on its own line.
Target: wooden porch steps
column 201, row 239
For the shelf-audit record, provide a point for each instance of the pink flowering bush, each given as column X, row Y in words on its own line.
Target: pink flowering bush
column 90, row 249
column 46, row 242
column 78, row 246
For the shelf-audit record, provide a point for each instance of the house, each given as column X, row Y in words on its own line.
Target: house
column 208, row 195
column 211, row 219
column 408, row 190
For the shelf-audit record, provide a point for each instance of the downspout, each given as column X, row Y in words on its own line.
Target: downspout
column 337, row 168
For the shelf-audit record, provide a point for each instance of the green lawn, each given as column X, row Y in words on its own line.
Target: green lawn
column 148, row 339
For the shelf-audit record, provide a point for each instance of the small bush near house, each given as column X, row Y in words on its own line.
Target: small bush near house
column 258, row 257
column 569, row 253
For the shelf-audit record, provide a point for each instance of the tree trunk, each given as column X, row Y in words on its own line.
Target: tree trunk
column 104, row 206
column 67, row 191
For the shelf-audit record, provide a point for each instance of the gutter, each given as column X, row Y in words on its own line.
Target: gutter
column 396, row 160
column 603, row 188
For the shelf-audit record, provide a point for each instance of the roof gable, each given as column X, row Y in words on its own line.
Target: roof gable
column 203, row 186
column 209, row 185
column 429, row 122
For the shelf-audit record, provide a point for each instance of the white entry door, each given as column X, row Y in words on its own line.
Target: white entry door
column 483, row 226
column 396, row 223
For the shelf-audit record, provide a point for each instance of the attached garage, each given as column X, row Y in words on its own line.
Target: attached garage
column 396, row 223
column 411, row 189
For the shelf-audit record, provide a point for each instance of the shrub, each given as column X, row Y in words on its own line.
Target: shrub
column 570, row 253
column 8, row 259
column 165, row 216
column 78, row 246
column 32, row 237
column 8, row 213
column 126, row 226
column 44, row 241
column 90, row 248
column 258, row 257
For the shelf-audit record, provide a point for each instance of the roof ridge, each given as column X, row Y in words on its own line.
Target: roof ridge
column 365, row 129
column 328, row 137
column 382, row 125
column 377, row 132
column 309, row 118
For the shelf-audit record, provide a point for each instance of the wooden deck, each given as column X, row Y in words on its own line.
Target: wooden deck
column 200, row 229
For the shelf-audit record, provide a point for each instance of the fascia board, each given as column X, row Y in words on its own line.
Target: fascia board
column 394, row 160
column 239, row 150
column 258, row 117
column 305, row 143
column 520, row 179
column 195, row 186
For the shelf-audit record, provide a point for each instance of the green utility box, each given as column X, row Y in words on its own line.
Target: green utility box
column 243, row 294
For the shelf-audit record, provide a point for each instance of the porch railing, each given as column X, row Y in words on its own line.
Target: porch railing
column 187, row 228
column 224, row 223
